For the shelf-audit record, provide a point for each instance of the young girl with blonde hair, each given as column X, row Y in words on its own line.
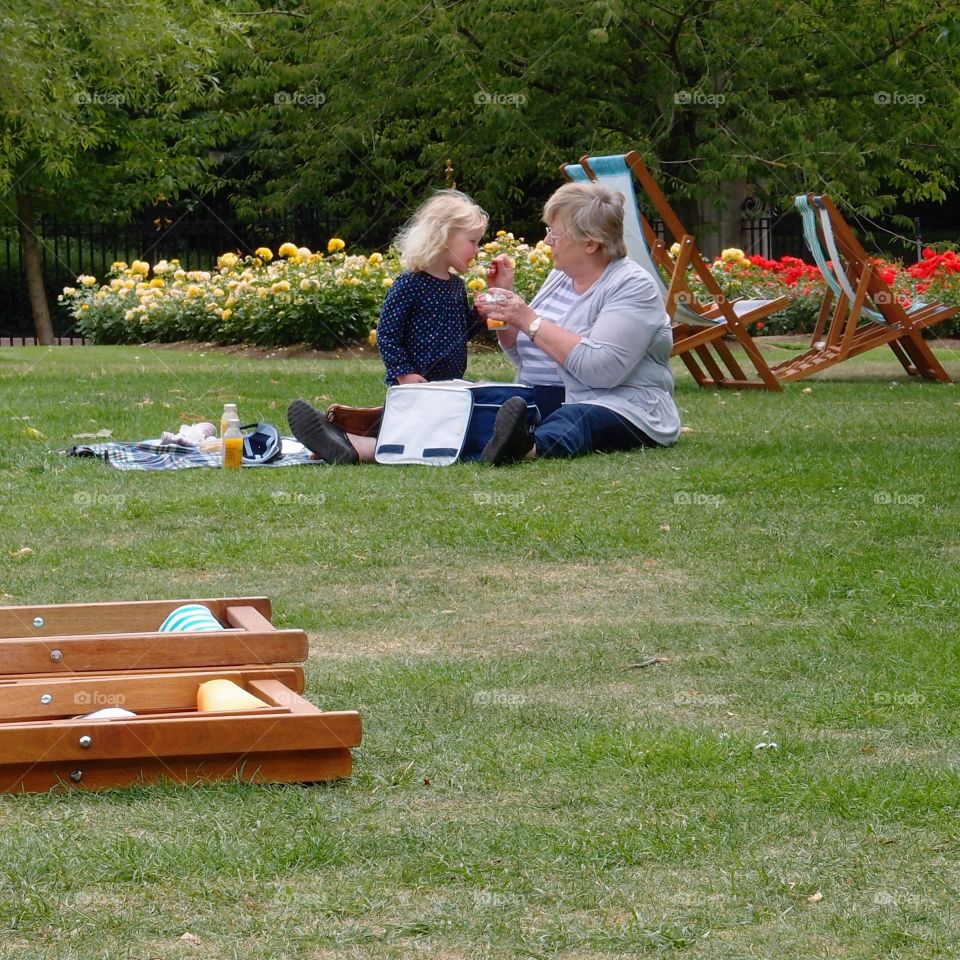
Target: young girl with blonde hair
column 426, row 320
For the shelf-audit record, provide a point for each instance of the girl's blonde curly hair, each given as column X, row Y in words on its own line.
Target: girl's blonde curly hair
column 426, row 234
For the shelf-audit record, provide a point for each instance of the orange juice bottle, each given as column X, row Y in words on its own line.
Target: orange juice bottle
column 231, row 438
column 233, row 446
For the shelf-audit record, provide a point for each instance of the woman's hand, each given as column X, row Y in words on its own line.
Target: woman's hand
column 505, row 306
column 500, row 272
column 509, row 308
column 411, row 378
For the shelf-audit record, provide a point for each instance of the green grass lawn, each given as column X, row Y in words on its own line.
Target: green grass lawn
column 523, row 789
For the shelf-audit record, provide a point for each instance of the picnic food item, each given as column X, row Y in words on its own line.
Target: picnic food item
column 233, row 447
column 493, row 296
column 190, row 434
column 229, row 413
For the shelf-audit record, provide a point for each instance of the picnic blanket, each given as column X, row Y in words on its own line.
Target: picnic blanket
column 154, row 455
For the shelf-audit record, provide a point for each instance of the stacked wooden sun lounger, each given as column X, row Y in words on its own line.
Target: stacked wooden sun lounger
column 60, row 663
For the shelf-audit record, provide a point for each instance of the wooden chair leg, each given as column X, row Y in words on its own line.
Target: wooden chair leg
column 926, row 363
column 905, row 360
column 760, row 364
column 856, row 309
column 729, row 360
column 840, row 317
column 822, row 318
column 712, row 366
column 696, row 371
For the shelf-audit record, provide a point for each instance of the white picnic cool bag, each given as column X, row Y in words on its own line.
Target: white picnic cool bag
column 439, row 423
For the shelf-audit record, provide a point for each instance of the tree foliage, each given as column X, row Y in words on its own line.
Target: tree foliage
column 104, row 107
column 102, row 104
column 358, row 105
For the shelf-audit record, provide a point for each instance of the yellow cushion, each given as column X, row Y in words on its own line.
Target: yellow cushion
column 226, row 695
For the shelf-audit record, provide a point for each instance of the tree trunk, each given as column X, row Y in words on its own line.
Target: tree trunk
column 34, row 271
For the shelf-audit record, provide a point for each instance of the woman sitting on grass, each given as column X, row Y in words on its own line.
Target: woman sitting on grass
column 600, row 317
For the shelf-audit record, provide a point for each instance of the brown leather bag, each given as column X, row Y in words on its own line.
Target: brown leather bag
column 360, row 421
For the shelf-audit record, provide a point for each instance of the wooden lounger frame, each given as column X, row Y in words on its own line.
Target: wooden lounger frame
column 844, row 327
column 699, row 332
column 61, row 662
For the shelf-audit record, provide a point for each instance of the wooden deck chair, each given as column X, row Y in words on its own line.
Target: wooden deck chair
column 61, row 663
column 699, row 331
column 860, row 312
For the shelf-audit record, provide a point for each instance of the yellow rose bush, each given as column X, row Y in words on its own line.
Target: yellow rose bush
column 294, row 296
column 299, row 296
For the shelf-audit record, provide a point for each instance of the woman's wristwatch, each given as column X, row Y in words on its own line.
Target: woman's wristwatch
column 534, row 327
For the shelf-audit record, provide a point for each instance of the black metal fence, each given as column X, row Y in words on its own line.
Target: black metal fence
column 69, row 248
column 774, row 237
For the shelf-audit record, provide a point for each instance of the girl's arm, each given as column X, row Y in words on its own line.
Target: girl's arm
column 394, row 317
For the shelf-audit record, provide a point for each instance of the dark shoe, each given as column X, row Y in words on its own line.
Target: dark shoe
column 511, row 440
column 319, row 435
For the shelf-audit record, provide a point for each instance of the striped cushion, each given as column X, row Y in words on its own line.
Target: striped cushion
column 192, row 617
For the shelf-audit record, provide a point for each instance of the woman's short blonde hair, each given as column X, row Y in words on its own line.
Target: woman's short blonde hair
column 589, row 211
column 426, row 234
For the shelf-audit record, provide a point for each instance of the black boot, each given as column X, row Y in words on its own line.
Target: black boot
column 319, row 435
column 512, row 439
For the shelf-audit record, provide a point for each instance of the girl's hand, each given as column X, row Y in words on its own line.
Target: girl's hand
column 500, row 272
column 411, row 378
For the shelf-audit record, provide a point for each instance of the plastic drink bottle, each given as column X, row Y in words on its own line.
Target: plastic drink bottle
column 231, row 437
column 233, row 446
column 229, row 413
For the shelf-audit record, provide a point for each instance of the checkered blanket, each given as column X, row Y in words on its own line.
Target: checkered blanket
column 154, row 455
